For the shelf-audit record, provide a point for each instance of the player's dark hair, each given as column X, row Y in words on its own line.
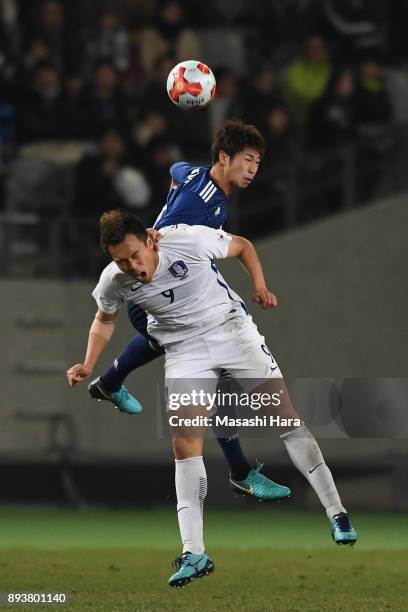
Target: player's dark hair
column 233, row 136
column 115, row 224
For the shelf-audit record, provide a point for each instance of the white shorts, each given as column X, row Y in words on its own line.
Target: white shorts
column 235, row 346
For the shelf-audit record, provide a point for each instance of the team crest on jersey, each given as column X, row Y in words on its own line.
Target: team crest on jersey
column 179, row 269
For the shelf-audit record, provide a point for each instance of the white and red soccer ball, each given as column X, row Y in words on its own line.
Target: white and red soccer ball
column 191, row 85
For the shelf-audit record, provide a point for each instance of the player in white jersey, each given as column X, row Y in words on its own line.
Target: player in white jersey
column 185, row 297
column 204, row 328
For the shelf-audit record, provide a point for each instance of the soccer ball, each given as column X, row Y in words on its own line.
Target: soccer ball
column 191, row 85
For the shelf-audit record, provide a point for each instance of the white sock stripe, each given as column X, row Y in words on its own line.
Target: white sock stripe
column 206, row 188
column 210, row 195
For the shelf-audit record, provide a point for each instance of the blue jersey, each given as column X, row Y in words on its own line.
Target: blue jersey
column 195, row 200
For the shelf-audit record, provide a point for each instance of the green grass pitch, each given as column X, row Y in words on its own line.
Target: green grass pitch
column 266, row 560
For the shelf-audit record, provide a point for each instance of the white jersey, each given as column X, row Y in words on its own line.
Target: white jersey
column 187, row 295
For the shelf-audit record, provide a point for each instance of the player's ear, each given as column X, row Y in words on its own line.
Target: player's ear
column 149, row 243
column 223, row 158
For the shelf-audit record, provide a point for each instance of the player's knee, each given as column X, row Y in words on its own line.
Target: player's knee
column 185, row 447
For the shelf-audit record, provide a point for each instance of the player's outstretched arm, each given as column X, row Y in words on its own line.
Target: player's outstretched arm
column 100, row 333
column 244, row 250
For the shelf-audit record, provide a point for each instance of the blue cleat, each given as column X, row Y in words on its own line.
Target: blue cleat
column 121, row 399
column 259, row 486
column 189, row 567
column 342, row 530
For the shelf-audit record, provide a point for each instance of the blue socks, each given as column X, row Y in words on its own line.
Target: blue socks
column 228, row 438
column 136, row 354
column 231, row 447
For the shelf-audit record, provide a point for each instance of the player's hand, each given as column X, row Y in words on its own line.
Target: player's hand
column 77, row 373
column 264, row 298
column 155, row 236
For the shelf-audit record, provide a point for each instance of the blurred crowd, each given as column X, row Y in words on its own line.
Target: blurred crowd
column 326, row 82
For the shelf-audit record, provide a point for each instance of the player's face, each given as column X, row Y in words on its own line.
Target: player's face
column 241, row 169
column 136, row 258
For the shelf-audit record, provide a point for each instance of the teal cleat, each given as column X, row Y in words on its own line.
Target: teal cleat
column 189, row 567
column 259, row 486
column 342, row 530
column 121, row 399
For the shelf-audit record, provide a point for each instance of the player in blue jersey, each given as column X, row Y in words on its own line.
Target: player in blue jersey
column 198, row 196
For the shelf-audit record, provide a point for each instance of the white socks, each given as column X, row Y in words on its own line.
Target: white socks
column 307, row 457
column 191, row 489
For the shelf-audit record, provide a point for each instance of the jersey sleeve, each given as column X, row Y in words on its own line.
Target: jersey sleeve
column 106, row 295
column 209, row 243
column 179, row 171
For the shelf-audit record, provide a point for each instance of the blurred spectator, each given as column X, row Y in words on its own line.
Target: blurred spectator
column 374, row 116
column 332, row 118
column 154, row 95
column 279, row 134
column 331, row 127
column 76, row 121
column 9, row 48
column 355, row 26
column 161, row 154
column 373, row 103
column 107, row 179
column 170, row 35
column 152, row 125
column 260, row 94
column 9, row 30
column 108, row 41
column 39, row 109
column 103, row 180
column 51, row 28
column 227, row 101
column 37, row 52
column 271, row 190
column 226, row 47
column 107, row 104
column 134, row 77
column 307, row 77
